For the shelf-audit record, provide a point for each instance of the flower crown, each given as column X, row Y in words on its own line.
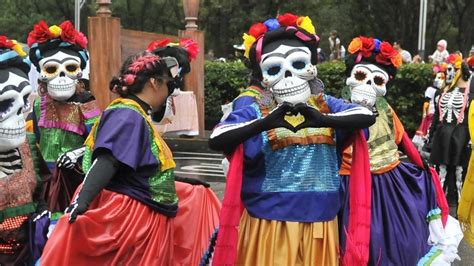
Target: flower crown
column 65, row 32
column 257, row 30
column 455, row 60
column 384, row 53
column 189, row 45
column 6, row 43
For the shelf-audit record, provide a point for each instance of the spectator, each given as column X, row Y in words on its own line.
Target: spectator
column 406, row 56
column 321, row 56
column 417, row 60
column 441, row 54
column 210, row 55
column 335, row 46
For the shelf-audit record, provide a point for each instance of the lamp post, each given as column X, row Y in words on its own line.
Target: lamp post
column 422, row 28
column 191, row 10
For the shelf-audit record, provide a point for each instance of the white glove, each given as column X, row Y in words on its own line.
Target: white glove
column 69, row 159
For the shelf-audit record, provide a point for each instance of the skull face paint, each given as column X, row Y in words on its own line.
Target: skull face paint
column 367, row 81
column 439, row 81
column 450, row 73
column 14, row 92
column 60, row 71
column 286, row 72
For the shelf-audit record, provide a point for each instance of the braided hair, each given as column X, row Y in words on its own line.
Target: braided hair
column 136, row 71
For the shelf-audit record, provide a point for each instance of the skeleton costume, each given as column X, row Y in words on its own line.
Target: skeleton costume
column 20, row 181
column 449, row 134
column 431, row 96
column 62, row 117
column 126, row 209
column 282, row 182
column 408, row 208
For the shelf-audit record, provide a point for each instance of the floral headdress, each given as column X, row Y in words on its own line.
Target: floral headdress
column 455, row 60
column 44, row 38
column 189, row 45
column 384, row 52
column 12, row 55
column 258, row 30
column 65, row 32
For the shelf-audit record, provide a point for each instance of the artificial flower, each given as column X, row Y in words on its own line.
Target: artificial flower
column 248, row 42
column 397, row 60
column 386, row 54
column 55, row 31
column 287, row 19
column 306, row 24
column 257, row 30
column 158, row 43
column 18, row 49
column 5, row 42
column 455, row 60
column 191, row 47
column 377, row 43
column 367, row 46
column 272, row 24
column 355, row 45
column 81, row 40
column 68, row 33
column 39, row 34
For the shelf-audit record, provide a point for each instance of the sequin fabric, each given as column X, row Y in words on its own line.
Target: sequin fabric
column 9, row 228
column 161, row 184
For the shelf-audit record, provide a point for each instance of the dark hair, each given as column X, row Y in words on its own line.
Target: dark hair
column 136, row 71
column 351, row 61
column 181, row 56
column 282, row 35
column 40, row 50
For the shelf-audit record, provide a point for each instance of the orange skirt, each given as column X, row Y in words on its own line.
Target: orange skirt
column 116, row 230
column 198, row 217
column 266, row 242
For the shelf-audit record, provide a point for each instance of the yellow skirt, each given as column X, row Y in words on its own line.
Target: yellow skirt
column 266, row 242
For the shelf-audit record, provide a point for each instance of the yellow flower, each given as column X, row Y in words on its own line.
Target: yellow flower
column 248, row 41
column 306, row 24
column 355, row 45
column 55, row 31
column 18, row 49
column 396, row 60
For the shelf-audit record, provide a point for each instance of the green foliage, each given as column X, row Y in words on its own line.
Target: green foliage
column 225, row 80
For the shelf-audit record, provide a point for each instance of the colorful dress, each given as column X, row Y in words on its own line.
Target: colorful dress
column 132, row 221
column 403, row 197
column 290, row 187
column 18, row 200
column 60, row 127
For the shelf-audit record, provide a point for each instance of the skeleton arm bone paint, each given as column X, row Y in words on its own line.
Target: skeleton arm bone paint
column 69, row 159
column 104, row 167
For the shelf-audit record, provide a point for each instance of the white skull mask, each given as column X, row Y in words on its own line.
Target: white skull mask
column 367, row 81
column 439, row 81
column 14, row 92
column 286, row 72
column 450, row 73
column 60, row 71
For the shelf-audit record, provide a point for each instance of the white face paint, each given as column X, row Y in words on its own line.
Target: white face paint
column 286, row 72
column 439, row 81
column 60, row 71
column 14, row 94
column 367, row 82
column 450, row 73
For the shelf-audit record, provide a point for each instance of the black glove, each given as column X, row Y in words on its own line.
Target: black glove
column 355, row 118
column 104, row 167
column 69, row 159
column 191, row 181
column 227, row 138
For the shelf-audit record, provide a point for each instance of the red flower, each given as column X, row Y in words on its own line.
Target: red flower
column 191, row 47
column 387, row 52
column 158, row 43
column 368, row 46
column 39, row 34
column 81, row 40
column 257, row 30
column 68, row 33
column 287, row 19
column 5, row 43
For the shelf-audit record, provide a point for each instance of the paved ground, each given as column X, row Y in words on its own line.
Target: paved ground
column 207, row 166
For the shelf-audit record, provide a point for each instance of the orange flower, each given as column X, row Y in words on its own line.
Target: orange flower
column 355, row 45
column 396, row 60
